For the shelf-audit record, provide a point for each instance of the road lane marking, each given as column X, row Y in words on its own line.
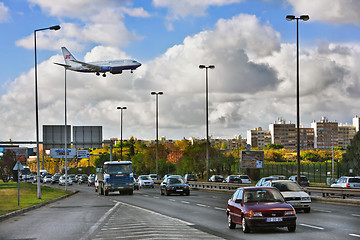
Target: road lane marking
column 173, row 200
column 222, row 209
column 355, row 215
column 97, row 224
column 185, row 202
column 325, row 211
column 311, row 226
column 201, row 205
column 354, row 235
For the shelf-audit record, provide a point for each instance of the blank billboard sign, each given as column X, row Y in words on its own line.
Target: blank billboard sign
column 54, row 136
column 87, row 136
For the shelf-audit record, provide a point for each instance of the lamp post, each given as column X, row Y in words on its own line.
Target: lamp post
column 121, row 118
column 157, row 129
column 56, row 27
column 304, row 18
column 207, row 118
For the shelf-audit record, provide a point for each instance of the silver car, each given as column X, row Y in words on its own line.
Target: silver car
column 347, row 182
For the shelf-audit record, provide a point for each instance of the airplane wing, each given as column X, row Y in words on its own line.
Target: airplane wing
column 87, row 65
column 64, row 65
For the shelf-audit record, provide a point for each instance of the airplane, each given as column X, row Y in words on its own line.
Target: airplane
column 114, row 67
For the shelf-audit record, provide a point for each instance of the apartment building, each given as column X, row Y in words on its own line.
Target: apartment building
column 283, row 133
column 345, row 134
column 325, row 134
column 258, row 137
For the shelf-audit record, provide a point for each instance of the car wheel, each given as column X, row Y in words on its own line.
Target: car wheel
column 131, row 192
column 307, row 210
column 230, row 222
column 106, row 192
column 245, row 227
column 167, row 193
column 161, row 192
column 188, row 193
column 292, row 228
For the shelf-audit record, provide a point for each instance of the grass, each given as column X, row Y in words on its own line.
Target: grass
column 28, row 196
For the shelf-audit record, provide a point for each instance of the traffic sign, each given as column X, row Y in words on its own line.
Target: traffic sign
column 18, row 166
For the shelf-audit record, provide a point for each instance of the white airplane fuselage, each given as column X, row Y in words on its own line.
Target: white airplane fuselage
column 114, row 66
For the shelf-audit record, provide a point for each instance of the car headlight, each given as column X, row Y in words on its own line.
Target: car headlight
column 254, row 214
column 306, row 199
column 289, row 213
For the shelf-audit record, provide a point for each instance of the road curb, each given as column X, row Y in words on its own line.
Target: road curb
column 21, row 211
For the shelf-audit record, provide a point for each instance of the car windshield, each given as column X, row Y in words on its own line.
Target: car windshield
column 263, row 195
column 287, row 186
column 244, row 177
column 145, row 177
column 117, row 168
column 175, row 180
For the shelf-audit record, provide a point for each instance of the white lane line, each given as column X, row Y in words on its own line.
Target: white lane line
column 156, row 197
column 101, row 220
column 354, row 235
column 185, row 202
column 221, row 209
column 355, row 215
column 311, row 226
column 201, row 205
column 325, row 211
column 173, row 200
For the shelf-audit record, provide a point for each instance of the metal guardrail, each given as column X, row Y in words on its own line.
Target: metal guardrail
column 326, row 192
column 344, row 192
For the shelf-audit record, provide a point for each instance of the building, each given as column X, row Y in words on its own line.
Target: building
column 325, row 134
column 306, row 138
column 258, row 137
column 345, row 135
column 356, row 123
column 283, row 133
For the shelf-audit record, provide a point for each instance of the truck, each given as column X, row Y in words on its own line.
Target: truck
column 115, row 176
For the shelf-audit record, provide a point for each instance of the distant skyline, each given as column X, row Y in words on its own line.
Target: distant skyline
column 250, row 43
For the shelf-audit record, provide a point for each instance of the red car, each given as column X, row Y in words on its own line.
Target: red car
column 260, row 207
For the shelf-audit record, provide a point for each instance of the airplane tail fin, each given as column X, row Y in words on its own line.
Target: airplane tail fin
column 68, row 57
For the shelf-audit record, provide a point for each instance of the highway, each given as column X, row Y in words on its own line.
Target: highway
column 147, row 214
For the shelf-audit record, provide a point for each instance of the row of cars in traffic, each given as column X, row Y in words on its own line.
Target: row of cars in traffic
column 61, row 179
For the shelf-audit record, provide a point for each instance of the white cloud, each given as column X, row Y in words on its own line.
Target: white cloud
column 338, row 12
column 4, row 12
column 254, row 82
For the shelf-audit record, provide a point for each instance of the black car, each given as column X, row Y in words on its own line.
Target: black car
column 174, row 185
column 304, row 181
column 83, row 179
column 190, row 177
column 216, row 178
column 55, row 178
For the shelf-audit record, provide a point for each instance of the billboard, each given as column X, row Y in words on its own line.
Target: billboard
column 87, row 136
column 54, row 136
column 60, row 153
column 252, row 159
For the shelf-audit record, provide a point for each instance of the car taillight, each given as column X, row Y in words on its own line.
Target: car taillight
column 347, row 185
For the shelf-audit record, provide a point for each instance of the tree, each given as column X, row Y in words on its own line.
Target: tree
column 101, row 159
column 7, row 163
column 351, row 158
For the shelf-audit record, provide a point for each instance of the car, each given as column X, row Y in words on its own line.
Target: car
column 245, row 179
column 216, row 178
column 47, row 178
column 145, row 181
column 154, row 176
column 82, row 179
column 304, row 181
column 260, row 207
column 232, row 179
column 174, row 185
column 280, row 177
column 293, row 194
column 55, row 178
column 190, row 177
column 73, row 178
column 62, row 180
column 263, row 180
column 347, row 182
column 91, row 180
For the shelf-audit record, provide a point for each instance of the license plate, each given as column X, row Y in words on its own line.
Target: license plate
column 179, row 190
column 274, row 219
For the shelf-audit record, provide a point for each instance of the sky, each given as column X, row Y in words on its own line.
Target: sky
column 250, row 43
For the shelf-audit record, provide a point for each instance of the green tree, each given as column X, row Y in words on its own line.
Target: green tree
column 101, row 159
column 351, row 158
column 7, row 163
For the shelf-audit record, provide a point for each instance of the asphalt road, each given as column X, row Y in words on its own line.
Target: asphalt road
column 148, row 215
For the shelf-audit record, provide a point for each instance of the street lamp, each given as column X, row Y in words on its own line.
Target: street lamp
column 157, row 130
column 207, row 118
column 121, row 118
column 56, row 27
column 304, row 18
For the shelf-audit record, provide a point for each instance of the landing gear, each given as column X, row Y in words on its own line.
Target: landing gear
column 131, row 71
column 97, row 73
column 104, row 75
